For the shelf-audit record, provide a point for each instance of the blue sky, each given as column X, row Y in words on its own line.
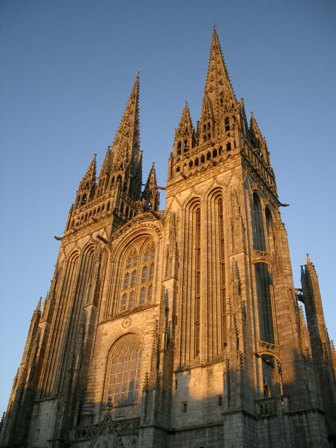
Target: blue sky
column 67, row 68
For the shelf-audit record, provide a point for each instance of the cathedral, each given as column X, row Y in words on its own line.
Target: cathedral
column 178, row 327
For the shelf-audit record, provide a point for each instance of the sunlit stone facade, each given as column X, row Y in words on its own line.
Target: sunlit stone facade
column 178, row 327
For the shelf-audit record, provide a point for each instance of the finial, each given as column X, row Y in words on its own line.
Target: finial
column 138, row 74
column 39, row 303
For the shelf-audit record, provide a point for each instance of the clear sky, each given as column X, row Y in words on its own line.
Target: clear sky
column 66, row 71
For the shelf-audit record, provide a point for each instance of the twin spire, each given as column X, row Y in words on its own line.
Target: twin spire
column 221, row 116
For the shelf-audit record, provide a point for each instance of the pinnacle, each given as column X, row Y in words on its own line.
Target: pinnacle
column 308, row 259
column 254, row 124
column 152, row 176
column 90, row 175
column 185, row 120
column 106, row 166
column 39, row 304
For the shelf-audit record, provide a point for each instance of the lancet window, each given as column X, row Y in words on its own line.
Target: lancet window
column 216, row 279
column 85, row 275
column 197, row 280
column 191, row 290
column 263, row 283
column 137, row 276
column 123, row 371
column 147, row 274
column 222, row 272
column 269, row 229
column 257, row 223
column 227, row 123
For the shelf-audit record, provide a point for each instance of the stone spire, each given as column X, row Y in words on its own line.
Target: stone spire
column 151, row 191
column 87, row 185
column 185, row 133
column 126, row 153
column 127, row 140
column 219, row 96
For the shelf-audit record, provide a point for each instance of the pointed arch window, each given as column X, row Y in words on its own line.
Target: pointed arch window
column 129, row 281
column 222, row 272
column 84, row 283
column 227, row 123
column 137, row 276
column 123, row 371
column 197, row 316
column 258, row 226
column 263, row 283
column 147, row 269
column 269, row 229
column 190, row 330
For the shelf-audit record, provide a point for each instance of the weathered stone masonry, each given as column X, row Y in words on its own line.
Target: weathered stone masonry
column 178, row 327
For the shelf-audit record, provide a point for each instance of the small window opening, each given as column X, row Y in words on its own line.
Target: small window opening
column 267, row 391
column 227, row 124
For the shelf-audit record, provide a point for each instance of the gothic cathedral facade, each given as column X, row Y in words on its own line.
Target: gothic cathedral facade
column 178, row 327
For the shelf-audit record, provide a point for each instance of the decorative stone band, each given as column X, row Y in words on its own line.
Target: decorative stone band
column 124, row 427
column 268, row 347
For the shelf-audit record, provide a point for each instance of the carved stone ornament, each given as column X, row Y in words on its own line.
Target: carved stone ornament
column 126, row 323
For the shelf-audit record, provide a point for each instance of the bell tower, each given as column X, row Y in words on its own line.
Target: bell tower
column 235, row 294
column 117, row 191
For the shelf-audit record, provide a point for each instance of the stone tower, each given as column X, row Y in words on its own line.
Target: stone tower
column 179, row 327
